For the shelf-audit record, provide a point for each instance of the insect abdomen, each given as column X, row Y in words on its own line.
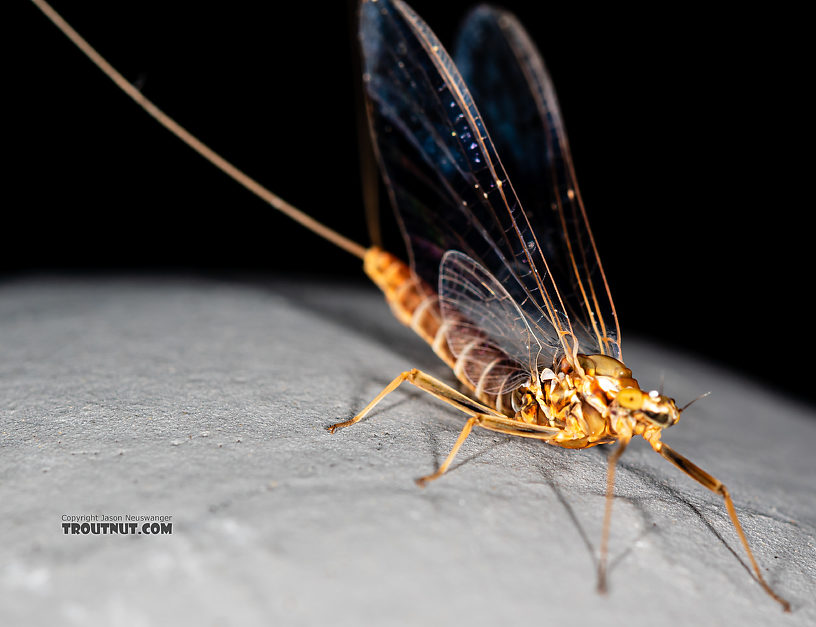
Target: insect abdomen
column 416, row 304
column 413, row 301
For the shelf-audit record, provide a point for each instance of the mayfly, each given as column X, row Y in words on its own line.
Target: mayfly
column 503, row 278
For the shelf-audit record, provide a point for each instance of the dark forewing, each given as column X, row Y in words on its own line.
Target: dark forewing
column 510, row 84
column 444, row 174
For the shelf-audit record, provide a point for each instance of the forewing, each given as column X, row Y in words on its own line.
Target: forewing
column 442, row 170
column 512, row 88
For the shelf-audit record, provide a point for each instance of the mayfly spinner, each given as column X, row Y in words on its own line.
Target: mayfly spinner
column 504, row 279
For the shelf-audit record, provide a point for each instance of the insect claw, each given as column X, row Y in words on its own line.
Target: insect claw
column 421, row 481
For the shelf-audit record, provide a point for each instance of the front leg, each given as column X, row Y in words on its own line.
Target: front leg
column 717, row 486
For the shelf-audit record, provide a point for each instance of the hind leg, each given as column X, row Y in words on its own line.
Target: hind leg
column 426, row 383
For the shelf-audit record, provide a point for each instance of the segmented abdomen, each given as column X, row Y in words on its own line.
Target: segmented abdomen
column 416, row 304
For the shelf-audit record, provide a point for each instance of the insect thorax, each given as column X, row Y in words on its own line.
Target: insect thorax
column 579, row 401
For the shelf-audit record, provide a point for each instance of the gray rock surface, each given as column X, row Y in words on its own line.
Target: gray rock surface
column 208, row 401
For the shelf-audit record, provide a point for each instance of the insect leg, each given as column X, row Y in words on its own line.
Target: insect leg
column 610, row 490
column 517, row 428
column 423, row 481
column 717, row 486
column 425, row 383
column 493, row 423
column 440, row 390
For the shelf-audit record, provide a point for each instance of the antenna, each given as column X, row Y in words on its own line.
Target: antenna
column 703, row 395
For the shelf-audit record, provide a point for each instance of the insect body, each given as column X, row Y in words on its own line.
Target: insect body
column 503, row 282
column 579, row 407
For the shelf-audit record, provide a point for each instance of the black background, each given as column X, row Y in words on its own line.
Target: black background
column 682, row 120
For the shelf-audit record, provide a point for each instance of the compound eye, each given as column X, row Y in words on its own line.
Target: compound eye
column 660, row 419
column 630, row 398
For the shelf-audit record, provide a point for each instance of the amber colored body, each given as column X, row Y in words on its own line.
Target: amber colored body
column 577, row 405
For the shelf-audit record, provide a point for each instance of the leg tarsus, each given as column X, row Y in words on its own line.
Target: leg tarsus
column 423, row 481
column 407, row 375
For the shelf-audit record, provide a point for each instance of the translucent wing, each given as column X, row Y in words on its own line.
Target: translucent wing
column 443, row 172
column 514, row 93
column 487, row 329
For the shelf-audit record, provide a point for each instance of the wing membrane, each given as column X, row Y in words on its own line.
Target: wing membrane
column 487, row 328
column 443, row 172
column 510, row 83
